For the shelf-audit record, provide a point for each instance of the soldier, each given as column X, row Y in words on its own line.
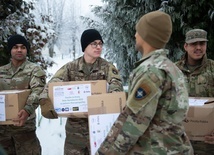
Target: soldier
column 21, row 138
column 157, row 103
column 199, row 73
column 90, row 66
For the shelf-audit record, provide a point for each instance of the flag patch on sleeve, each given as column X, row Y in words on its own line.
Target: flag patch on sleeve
column 143, row 91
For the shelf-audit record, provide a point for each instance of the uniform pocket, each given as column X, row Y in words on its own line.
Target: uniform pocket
column 204, row 85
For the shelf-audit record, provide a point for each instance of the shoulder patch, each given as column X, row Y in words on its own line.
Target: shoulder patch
column 143, row 91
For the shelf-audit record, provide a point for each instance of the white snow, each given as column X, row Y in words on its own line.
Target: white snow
column 51, row 132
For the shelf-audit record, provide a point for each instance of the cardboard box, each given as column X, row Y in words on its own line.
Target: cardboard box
column 99, row 126
column 103, row 110
column 70, row 98
column 106, row 103
column 11, row 102
column 200, row 118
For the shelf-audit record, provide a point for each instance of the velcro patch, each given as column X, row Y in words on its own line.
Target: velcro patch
column 143, row 91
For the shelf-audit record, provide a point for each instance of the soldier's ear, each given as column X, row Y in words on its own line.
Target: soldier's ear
column 185, row 46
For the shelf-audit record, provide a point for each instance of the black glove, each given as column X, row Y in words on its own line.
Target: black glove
column 47, row 109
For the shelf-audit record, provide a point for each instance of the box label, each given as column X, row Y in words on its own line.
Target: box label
column 99, row 126
column 2, row 108
column 71, row 98
column 197, row 102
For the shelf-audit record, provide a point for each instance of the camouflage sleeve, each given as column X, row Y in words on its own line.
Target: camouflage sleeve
column 211, row 80
column 114, row 80
column 134, row 120
column 60, row 75
column 37, row 84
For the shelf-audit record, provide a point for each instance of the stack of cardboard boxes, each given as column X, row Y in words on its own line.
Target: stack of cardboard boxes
column 81, row 98
column 88, row 99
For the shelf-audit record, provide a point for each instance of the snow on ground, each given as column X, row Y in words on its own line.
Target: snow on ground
column 51, row 134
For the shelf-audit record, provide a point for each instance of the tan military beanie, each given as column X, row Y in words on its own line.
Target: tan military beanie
column 155, row 28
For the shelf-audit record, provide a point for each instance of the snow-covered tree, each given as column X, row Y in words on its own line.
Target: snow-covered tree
column 66, row 24
column 53, row 9
column 18, row 18
column 119, row 17
column 71, row 26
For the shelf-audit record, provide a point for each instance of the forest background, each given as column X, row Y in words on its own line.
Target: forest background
column 51, row 24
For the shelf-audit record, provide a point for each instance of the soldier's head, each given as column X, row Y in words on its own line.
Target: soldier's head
column 18, row 46
column 17, row 39
column 195, row 44
column 195, row 35
column 91, row 37
column 154, row 28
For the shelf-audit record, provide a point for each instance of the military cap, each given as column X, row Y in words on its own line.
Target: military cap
column 155, row 28
column 17, row 39
column 195, row 35
column 88, row 36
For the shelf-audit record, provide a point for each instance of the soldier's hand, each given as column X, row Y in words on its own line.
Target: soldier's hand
column 47, row 109
column 209, row 139
column 21, row 118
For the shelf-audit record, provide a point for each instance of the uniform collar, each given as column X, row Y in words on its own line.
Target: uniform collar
column 10, row 65
column 95, row 64
column 163, row 52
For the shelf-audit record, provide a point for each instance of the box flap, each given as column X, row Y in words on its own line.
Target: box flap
column 4, row 92
column 106, row 103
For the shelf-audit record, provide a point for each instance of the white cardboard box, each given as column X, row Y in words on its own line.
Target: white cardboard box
column 103, row 110
column 99, row 126
column 70, row 98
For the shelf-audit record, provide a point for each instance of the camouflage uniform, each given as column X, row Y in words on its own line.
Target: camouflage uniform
column 77, row 138
column 22, row 140
column 157, row 103
column 200, row 82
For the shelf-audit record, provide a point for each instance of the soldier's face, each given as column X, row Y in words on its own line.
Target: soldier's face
column 195, row 50
column 19, row 52
column 94, row 49
column 138, row 43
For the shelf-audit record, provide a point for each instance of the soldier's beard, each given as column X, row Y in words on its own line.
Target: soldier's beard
column 139, row 49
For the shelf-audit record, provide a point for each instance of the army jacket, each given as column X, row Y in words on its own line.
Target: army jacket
column 151, row 123
column 27, row 76
column 200, row 81
column 77, row 70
